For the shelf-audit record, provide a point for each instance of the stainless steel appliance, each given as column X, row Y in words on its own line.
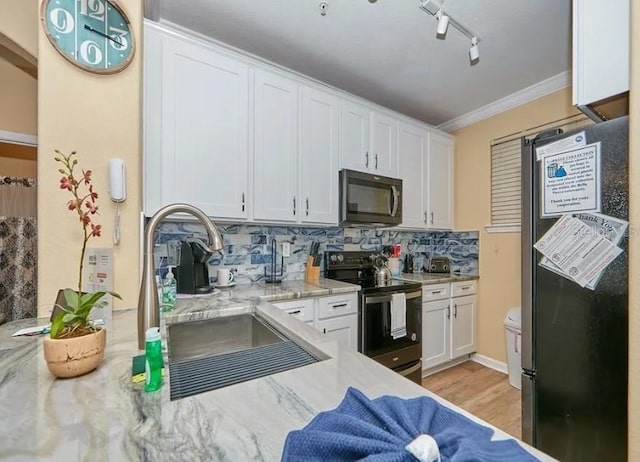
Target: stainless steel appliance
column 374, row 313
column 574, row 340
column 438, row 265
column 367, row 199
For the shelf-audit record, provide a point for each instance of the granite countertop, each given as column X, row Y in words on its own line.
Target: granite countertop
column 436, row 278
column 103, row 416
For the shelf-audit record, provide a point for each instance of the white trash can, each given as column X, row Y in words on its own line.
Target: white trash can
column 513, row 334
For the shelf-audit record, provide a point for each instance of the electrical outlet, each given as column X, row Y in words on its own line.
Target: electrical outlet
column 286, row 249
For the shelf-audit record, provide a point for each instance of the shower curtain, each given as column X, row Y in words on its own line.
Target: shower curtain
column 18, row 248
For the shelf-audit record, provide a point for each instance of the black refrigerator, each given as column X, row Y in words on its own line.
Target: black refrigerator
column 574, row 340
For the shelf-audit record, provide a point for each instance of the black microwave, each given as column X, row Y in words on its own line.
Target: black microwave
column 369, row 199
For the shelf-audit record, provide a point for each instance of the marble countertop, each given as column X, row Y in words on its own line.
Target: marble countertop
column 436, row 278
column 102, row 416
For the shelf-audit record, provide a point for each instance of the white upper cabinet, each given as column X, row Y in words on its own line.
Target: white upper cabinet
column 319, row 157
column 275, row 147
column 384, row 144
column 354, row 136
column 196, row 138
column 438, row 174
column 412, row 149
column 600, row 49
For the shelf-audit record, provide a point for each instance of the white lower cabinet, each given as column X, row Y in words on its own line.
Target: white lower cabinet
column 448, row 323
column 344, row 329
column 335, row 315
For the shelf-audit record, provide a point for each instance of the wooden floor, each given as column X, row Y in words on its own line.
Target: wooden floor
column 482, row 391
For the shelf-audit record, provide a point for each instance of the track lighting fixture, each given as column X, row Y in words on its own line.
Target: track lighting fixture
column 474, row 52
column 443, row 23
column 444, row 20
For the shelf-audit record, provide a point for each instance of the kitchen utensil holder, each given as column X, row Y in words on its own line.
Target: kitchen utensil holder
column 311, row 273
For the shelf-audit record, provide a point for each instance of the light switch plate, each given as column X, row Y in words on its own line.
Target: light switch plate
column 286, row 249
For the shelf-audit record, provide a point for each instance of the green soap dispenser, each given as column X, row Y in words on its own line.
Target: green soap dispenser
column 153, row 359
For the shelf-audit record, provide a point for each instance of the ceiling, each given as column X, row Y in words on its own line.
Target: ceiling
column 387, row 51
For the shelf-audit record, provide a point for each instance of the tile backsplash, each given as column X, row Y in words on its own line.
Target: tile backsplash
column 248, row 247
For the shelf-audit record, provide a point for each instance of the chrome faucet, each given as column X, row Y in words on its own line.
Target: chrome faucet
column 148, row 303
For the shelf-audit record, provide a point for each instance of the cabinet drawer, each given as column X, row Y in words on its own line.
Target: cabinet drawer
column 462, row 288
column 301, row 309
column 435, row 292
column 337, row 305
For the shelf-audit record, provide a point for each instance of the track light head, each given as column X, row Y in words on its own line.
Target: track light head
column 474, row 51
column 443, row 24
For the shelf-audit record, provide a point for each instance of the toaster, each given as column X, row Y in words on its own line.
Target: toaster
column 438, row 265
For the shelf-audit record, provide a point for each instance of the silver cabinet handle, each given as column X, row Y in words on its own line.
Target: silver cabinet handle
column 425, row 217
column 307, row 206
column 243, row 202
column 465, row 288
column 455, row 310
column 366, row 159
column 448, row 311
column 376, row 161
column 294, row 205
column 431, row 217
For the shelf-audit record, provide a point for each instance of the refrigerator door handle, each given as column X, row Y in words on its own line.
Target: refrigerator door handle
column 528, row 409
column 527, row 254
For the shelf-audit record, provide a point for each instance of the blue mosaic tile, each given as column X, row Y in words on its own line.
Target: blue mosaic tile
column 258, row 239
column 260, row 259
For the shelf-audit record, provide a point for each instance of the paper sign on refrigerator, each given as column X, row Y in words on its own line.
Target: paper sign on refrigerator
column 571, row 182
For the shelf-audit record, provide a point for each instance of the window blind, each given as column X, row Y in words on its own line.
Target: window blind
column 506, row 181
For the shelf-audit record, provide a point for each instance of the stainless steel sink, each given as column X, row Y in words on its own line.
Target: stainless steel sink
column 219, row 335
column 215, row 353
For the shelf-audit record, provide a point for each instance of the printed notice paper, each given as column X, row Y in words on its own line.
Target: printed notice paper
column 98, row 276
column 571, row 181
column 565, row 144
column 572, row 246
column 611, row 228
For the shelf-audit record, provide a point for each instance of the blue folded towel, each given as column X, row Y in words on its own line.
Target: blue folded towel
column 379, row 430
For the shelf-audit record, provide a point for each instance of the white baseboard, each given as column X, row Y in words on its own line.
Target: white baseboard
column 490, row 362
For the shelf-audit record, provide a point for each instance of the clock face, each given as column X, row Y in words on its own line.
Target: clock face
column 92, row 34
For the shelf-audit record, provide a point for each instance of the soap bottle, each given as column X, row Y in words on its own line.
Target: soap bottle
column 169, row 290
column 153, row 359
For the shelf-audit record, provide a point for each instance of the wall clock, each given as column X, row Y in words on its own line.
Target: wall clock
column 95, row 35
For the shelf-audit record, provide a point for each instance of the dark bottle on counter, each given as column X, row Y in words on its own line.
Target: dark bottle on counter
column 408, row 263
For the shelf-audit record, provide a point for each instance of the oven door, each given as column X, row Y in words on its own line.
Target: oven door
column 375, row 329
column 369, row 199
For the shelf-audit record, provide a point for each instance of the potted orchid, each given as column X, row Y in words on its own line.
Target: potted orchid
column 75, row 346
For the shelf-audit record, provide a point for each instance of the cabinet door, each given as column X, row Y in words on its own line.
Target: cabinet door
column 344, row 329
column 204, row 130
column 301, row 308
column 412, row 148
column 384, row 145
column 439, row 174
column 319, row 157
column 600, row 61
column 435, row 333
column 463, row 326
column 275, row 147
column 354, row 136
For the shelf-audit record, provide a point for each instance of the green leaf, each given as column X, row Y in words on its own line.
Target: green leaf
column 91, row 298
column 57, row 325
column 71, row 297
column 69, row 318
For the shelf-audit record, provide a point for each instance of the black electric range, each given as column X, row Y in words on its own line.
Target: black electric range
column 402, row 354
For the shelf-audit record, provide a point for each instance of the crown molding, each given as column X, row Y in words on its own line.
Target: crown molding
column 535, row 91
